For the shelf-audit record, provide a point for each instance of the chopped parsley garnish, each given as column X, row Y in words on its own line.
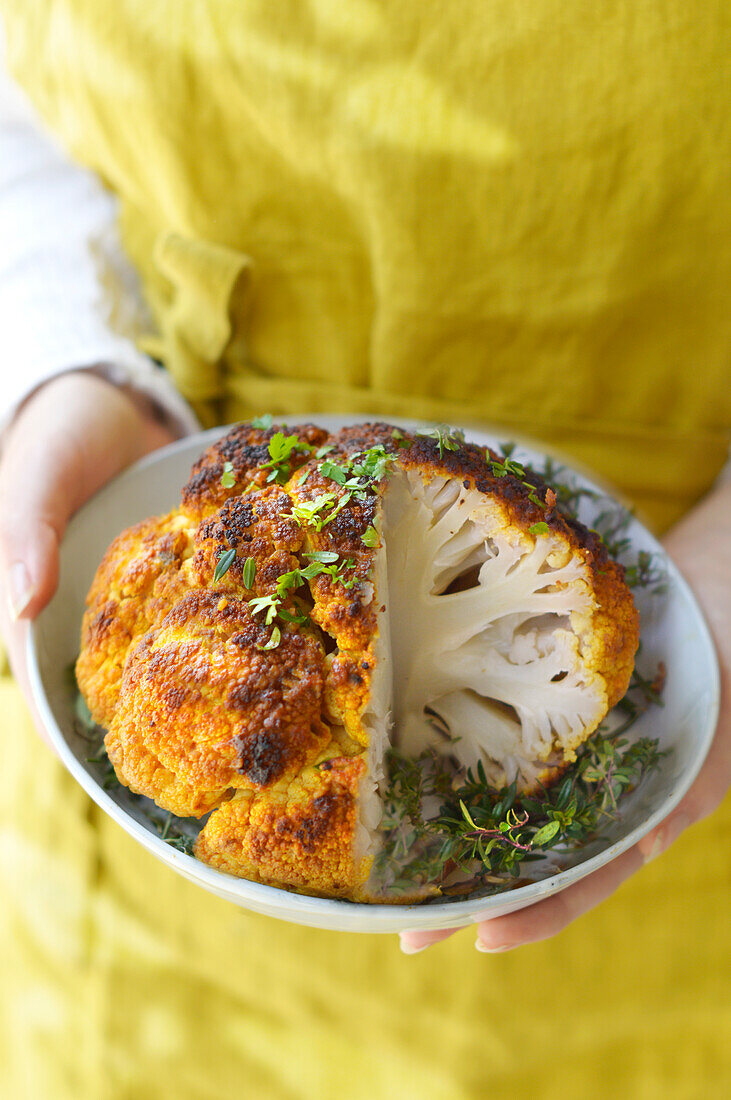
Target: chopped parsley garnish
column 337, row 509
column 228, row 477
column 281, row 449
column 373, row 464
column 515, row 469
column 325, row 564
column 308, row 511
column 362, row 466
column 370, row 537
column 539, row 528
column 268, row 604
column 334, row 472
column 263, row 422
column 448, row 439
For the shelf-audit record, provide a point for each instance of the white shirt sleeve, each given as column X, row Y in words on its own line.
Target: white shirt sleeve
column 69, row 298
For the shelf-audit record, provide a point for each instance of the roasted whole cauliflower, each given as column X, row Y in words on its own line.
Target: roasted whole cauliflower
column 316, row 598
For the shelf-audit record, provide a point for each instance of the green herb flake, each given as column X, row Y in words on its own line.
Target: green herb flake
column 539, row 528
column 325, row 556
column 298, row 617
column 370, row 537
column 333, row 472
column 263, row 422
column 268, row 604
column 248, row 573
column 400, row 439
column 274, row 640
column 307, row 512
column 281, row 449
column 447, row 439
column 287, row 581
column 345, row 498
column 324, row 450
column 223, row 564
column 228, row 477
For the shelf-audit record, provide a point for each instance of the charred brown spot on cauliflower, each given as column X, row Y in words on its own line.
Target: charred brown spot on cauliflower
column 298, row 834
column 255, row 526
column 213, row 707
column 244, row 451
column 318, row 597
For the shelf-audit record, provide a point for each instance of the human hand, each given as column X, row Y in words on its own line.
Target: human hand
column 701, row 547
column 69, row 439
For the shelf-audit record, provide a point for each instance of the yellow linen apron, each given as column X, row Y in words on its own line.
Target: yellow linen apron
column 501, row 213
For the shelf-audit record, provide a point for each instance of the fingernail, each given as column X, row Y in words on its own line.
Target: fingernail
column 675, row 826
column 20, row 589
column 410, row 948
column 493, row 950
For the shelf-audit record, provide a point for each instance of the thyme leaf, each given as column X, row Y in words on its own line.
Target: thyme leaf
column 223, row 564
column 248, row 573
column 326, row 556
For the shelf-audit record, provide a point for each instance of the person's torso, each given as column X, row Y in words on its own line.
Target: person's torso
column 493, row 213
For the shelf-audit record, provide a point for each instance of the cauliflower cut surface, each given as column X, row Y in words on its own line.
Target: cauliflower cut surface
column 492, row 631
column 318, row 597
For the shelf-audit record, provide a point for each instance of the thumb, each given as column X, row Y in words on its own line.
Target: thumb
column 36, row 507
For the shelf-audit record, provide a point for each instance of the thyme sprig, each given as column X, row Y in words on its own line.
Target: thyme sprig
column 485, row 835
column 610, row 521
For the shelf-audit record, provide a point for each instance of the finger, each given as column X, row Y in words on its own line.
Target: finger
column 412, row 942
column 705, row 795
column 546, row 918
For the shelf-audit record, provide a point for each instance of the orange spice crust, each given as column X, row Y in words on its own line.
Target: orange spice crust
column 204, row 700
column 201, row 718
column 298, row 835
column 140, row 578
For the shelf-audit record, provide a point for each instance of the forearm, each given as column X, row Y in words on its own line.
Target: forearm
column 701, row 546
column 63, row 275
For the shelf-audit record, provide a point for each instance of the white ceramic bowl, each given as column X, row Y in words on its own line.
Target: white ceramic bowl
column 673, row 630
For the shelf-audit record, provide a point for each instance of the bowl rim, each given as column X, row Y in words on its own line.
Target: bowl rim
column 339, row 912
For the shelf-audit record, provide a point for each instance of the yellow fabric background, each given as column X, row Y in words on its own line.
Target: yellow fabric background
column 507, row 213
column 499, row 212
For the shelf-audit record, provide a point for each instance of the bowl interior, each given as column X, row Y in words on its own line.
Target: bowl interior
column 673, row 631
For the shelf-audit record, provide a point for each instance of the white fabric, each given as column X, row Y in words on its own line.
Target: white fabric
column 69, row 299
